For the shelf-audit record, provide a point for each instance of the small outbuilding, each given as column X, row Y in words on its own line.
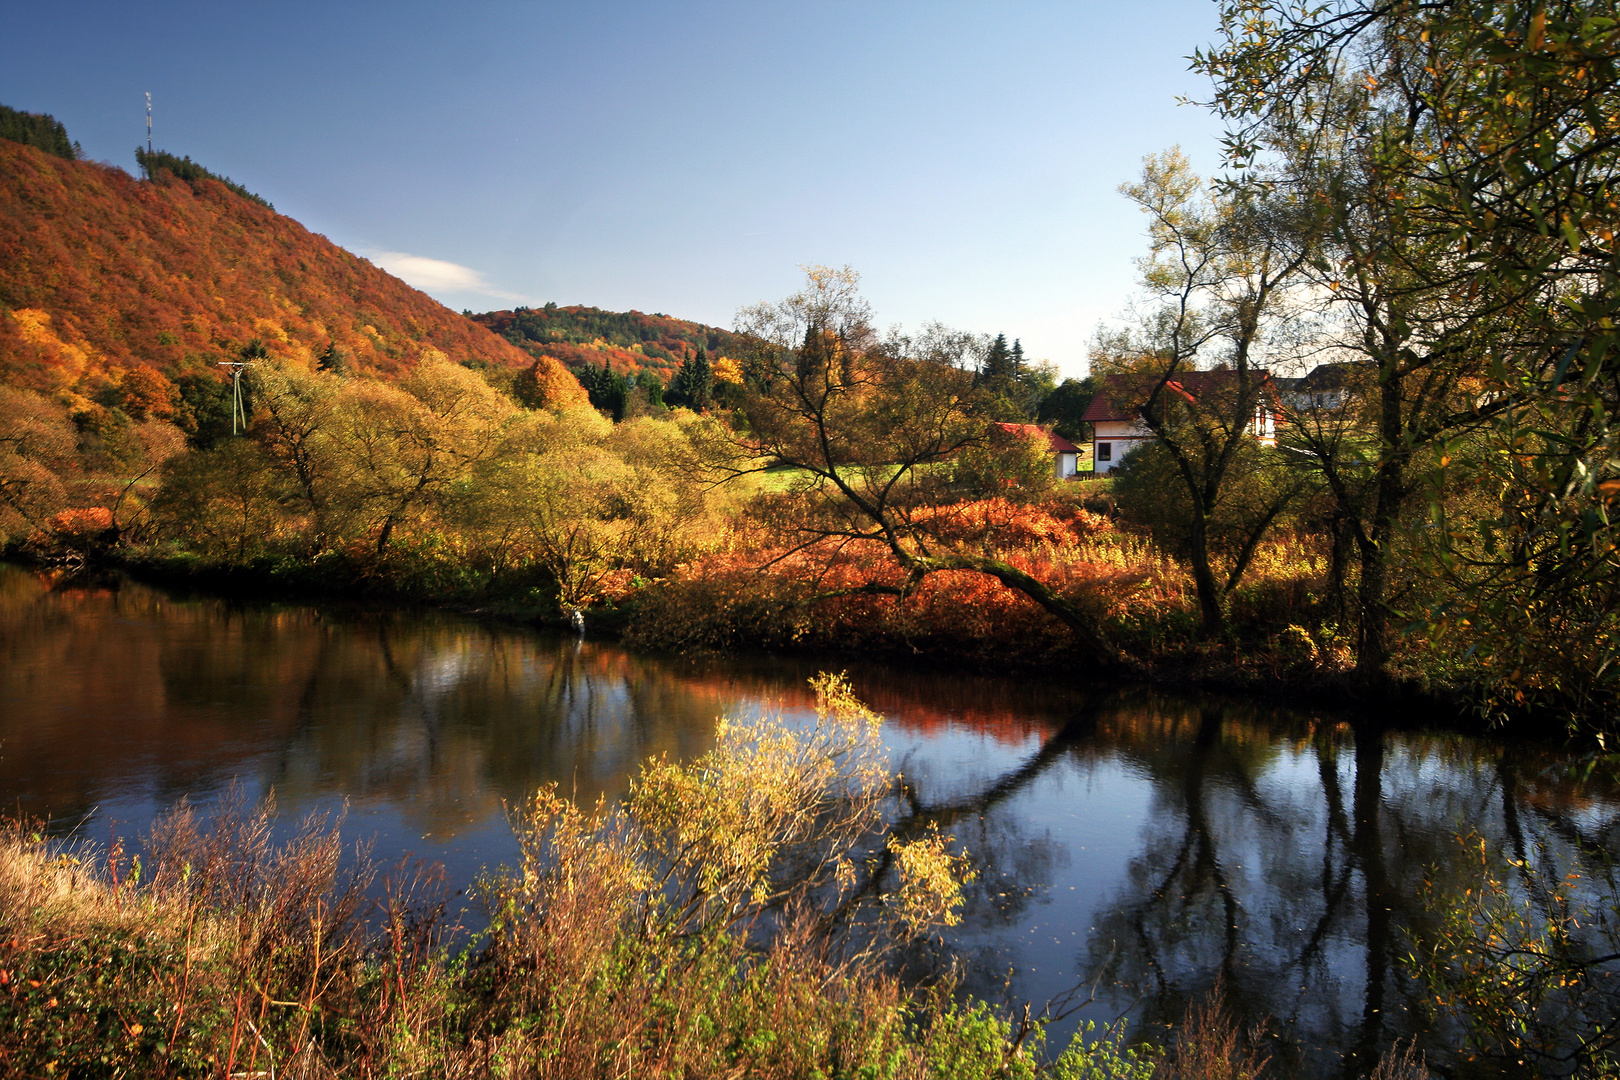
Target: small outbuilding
column 1065, row 455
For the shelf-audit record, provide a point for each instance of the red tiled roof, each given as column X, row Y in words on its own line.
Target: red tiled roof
column 1105, row 406
column 1056, row 443
column 1120, row 396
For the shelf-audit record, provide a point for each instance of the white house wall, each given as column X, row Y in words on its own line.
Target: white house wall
column 1120, row 437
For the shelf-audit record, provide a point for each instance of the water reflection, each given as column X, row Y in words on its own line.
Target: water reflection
column 1285, row 855
column 123, row 691
column 1146, row 841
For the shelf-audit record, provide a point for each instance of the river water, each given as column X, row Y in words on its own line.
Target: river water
column 1141, row 843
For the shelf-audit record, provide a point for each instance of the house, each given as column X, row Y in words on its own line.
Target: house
column 1115, row 413
column 1065, row 455
column 1327, row 387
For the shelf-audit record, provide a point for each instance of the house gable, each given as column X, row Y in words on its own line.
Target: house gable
column 1115, row 412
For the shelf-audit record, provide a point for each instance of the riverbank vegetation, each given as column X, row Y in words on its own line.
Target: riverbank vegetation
column 769, row 909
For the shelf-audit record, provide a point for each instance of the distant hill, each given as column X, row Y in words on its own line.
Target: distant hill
column 102, row 275
column 627, row 341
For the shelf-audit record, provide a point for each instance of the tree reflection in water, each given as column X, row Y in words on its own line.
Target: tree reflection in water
column 1286, row 854
column 1148, row 841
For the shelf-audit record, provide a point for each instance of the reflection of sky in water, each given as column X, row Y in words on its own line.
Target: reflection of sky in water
column 1141, row 840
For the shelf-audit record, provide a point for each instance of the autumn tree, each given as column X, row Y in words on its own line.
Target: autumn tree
column 556, row 495
column 1464, row 155
column 296, row 424
column 869, row 427
column 396, row 451
column 1215, row 282
column 584, row 499
column 36, row 448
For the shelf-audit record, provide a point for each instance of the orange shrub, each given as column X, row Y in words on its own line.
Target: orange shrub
column 804, row 599
column 1005, row 523
column 81, row 522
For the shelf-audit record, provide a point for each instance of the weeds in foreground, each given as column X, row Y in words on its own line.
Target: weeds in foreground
column 736, row 916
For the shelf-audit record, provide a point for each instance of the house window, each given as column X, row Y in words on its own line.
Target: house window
column 1105, row 451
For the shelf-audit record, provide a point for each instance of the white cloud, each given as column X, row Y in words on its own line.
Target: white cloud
column 437, row 275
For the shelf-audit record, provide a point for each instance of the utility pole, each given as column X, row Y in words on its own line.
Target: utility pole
column 238, row 414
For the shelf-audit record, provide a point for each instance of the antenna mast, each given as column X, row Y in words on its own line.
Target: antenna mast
column 149, row 123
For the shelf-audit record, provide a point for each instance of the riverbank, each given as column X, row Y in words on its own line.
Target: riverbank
column 1289, row 669
column 715, row 926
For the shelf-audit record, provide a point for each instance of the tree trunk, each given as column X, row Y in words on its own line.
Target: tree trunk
column 1209, row 588
column 1372, row 656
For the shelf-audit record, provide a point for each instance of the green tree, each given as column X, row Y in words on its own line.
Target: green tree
column 999, row 371
column 333, row 359
column 1015, row 461
column 1215, row 280
column 205, row 407
column 693, row 385
column 608, row 391
column 38, row 130
column 183, row 168
column 1257, row 491
column 224, row 502
column 1062, row 409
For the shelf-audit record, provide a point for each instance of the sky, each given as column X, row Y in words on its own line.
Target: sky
column 682, row 158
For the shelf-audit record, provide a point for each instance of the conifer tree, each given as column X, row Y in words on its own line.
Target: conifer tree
column 38, row 130
column 997, row 371
column 693, row 385
column 333, row 359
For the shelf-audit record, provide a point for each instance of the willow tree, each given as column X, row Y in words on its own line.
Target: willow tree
column 871, row 427
column 396, row 451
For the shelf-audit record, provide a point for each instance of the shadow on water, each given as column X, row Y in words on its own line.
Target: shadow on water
column 1147, row 842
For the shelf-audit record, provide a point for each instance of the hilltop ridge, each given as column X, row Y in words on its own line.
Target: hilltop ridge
column 102, row 274
column 628, row 342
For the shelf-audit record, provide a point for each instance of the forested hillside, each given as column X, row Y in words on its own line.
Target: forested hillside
column 588, row 337
column 103, row 275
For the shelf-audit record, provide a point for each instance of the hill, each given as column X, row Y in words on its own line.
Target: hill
column 103, row 276
column 628, row 342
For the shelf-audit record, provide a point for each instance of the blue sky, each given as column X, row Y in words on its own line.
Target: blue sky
column 681, row 158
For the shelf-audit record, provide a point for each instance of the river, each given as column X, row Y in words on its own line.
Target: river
column 1140, row 843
